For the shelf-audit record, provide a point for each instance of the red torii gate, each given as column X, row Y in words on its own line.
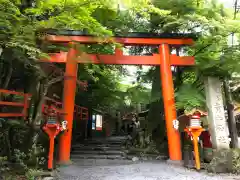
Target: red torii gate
column 165, row 59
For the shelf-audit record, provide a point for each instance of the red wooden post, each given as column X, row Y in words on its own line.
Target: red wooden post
column 52, row 131
column 68, row 106
column 174, row 146
column 51, row 152
column 26, row 106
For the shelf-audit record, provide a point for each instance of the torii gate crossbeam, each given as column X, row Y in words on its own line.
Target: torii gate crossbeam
column 121, row 59
column 165, row 59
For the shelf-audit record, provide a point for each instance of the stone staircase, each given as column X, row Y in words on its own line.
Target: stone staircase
column 101, row 148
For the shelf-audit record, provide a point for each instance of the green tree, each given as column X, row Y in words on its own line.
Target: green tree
column 211, row 23
column 20, row 41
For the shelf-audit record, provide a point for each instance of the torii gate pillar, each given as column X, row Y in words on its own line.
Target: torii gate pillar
column 164, row 59
column 68, row 106
column 174, row 143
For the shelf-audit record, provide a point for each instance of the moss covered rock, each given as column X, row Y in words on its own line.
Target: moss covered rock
column 225, row 161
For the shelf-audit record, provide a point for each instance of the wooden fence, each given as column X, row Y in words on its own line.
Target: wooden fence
column 79, row 111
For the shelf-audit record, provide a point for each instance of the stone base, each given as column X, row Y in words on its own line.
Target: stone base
column 188, row 159
column 172, row 162
column 65, row 163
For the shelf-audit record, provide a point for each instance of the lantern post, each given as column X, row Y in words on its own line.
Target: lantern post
column 194, row 130
column 52, row 128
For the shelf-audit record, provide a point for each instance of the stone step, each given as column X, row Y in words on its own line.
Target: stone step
column 105, row 143
column 147, row 157
column 98, row 148
column 104, row 140
column 98, row 145
column 101, row 162
column 109, row 152
column 91, row 156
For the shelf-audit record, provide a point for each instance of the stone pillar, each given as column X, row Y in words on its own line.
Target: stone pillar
column 216, row 114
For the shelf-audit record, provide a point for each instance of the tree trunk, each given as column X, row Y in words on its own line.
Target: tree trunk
column 8, row 78
column 38, row 108
column 156, row 106
column 37, row 114
column 156, row 123
column 37, row 100
column 33, row 89
column 231, row 117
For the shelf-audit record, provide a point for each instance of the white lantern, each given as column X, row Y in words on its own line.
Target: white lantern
column 195, row 121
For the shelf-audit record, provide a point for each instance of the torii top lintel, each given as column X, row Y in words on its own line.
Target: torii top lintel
column 67, row 36
column 129, row 39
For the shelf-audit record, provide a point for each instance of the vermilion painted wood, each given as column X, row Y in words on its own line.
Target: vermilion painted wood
column 164, row 58
column 52, row 131
column 195, row 133
column 11, row 115
column 174, row 143
column 121, row 59
column 83, row 111
column 125, row 41
column 5, row 91
column 25, row 104
column 7, row 103
column 80, row 110
column 68, row 106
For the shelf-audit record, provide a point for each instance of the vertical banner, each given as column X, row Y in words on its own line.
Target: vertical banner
column 98, row 122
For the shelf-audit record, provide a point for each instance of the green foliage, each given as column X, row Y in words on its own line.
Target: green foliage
column 20, row 158
column 138, row 94
column 208, row 20
column 212, row 24
column 189, row 97
column 24, row 19
column 3, row 162
column 235, row 88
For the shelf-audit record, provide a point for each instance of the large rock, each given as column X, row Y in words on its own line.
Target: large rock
column 225, row 161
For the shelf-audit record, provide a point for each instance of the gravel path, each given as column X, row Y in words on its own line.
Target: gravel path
column 134, row 171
